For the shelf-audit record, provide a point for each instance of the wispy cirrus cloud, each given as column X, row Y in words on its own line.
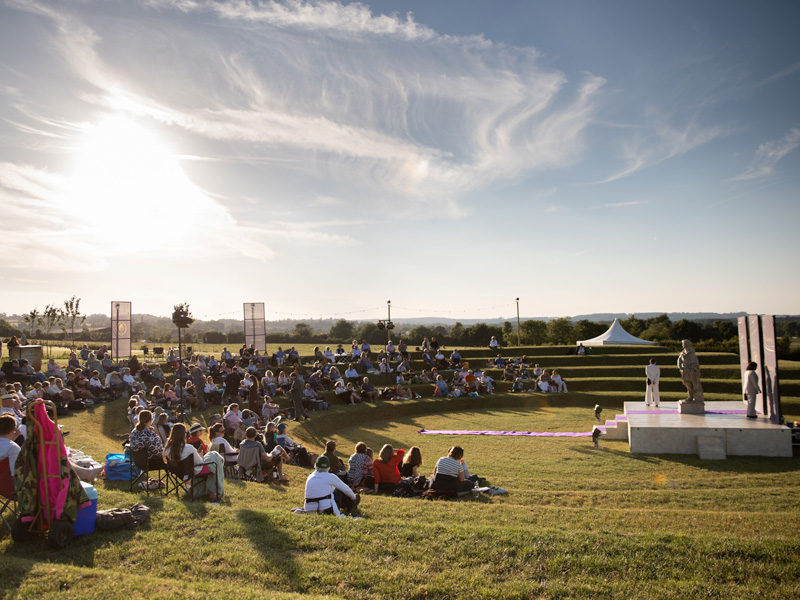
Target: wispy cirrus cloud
column 626, row 204
column 768, row 155
column 394, row 110
column 790, row 70
column 659, row 140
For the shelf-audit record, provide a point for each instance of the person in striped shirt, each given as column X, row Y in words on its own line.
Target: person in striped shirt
column 449, row 473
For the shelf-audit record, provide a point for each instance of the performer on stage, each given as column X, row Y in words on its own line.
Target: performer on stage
column 653, row 374
column 751, row 390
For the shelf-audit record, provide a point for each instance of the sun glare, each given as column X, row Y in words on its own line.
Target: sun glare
column 127, row 181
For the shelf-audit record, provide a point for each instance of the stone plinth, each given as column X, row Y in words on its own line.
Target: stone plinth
column 691, row 408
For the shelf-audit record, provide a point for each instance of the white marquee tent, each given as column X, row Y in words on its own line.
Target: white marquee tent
column 616, row 336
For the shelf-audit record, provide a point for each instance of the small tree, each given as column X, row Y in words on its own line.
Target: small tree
column 342, row 331
column 32, row 319
column 182, row 317
column 48, row 321
column 70, row 318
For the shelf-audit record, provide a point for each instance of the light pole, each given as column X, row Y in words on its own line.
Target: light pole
column 519, row 339
column 388, row 320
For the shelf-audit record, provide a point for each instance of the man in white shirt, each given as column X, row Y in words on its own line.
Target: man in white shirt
column 8, row 431
column 325, row 491
column 653, row 373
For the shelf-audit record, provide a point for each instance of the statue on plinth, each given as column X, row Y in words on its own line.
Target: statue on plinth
column 689, row 367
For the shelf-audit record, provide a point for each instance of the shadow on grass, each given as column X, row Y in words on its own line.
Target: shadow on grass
column 736, row 464
column 80, row 552
column 268, row 538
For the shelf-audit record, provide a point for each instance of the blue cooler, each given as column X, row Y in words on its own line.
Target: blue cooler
column 87, row 516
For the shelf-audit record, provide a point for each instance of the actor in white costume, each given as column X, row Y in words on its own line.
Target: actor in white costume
column 751, row 389
column 653, row 373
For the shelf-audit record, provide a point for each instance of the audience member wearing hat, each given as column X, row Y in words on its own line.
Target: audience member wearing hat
column 194, row 438
column 325, row 491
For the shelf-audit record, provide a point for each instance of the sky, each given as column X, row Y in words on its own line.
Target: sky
column 450, row 157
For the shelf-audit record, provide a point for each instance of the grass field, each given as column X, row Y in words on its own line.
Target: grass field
column 576, row 523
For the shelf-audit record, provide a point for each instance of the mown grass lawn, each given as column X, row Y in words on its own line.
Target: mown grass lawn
column 576, row 523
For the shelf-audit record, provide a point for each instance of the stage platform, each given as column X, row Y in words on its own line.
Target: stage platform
column 722, row 431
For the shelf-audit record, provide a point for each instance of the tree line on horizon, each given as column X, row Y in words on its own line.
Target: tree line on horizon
column 719, row 335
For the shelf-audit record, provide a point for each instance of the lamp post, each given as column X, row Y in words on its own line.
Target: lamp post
column 519, row 339
column 388, row 320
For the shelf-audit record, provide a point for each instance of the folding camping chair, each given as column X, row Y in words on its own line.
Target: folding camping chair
column 231, row 461
column 184, row 478
column 140, row 460
column 8, row 496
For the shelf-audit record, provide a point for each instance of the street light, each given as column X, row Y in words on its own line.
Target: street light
column 519, row 339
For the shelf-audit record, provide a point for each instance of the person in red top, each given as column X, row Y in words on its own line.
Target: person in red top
column 386, row 471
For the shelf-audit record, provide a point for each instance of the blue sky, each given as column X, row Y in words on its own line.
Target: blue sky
column 321, row 157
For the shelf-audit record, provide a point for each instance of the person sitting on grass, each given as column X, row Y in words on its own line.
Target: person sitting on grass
column 55, row 370
column 351, row 372
column 472, row 382
column 176, row 450
column 440, row 387
column 269, row 383
column 455, row 358
column 411, row 462
column 427, row 359
column 334, row 376
column 487, row 382
column 557, row 381
column 509, row 373
column 337, row 467
column 343, row 394
column 364, row 363
column 543, row 382
column 404, row 367
column 211, row 392
column 400, row 389
column 359, row 468
column 391, row 350
column 449, row 474
column 368, row 391
column 459, row 385
column 309, row 395
column 384, row 367
column 325, row 491
column 440, row 360
column 297, row 453
column 385, row 469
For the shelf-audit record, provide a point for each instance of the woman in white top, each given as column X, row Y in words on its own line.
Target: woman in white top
column 176, row 450
column 220, row 444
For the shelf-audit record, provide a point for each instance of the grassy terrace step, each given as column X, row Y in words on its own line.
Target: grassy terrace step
column 575, row 523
